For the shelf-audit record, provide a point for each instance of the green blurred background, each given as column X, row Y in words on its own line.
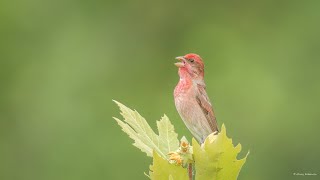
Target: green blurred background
column 62, row 62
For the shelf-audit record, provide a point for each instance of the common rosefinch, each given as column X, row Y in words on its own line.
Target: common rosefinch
column 191, row 99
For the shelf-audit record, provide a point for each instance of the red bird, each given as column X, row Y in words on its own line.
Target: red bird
column 191, row 99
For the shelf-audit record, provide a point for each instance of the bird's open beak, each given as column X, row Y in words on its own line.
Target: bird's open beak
column 181, row 63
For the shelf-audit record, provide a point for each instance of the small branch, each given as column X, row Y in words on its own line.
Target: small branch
column 190, row 171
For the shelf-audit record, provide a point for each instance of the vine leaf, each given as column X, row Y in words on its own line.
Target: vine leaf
column 144, row 137
column 217, row 157
column 162, row 169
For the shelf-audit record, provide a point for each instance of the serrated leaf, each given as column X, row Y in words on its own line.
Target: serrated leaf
column 144, row 137
column 217, row 157
column 167, row 135
column 161, row 169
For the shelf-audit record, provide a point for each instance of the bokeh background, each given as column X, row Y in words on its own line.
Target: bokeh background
column 62, row 63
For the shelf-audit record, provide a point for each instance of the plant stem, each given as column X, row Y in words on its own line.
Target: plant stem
column 191, row 171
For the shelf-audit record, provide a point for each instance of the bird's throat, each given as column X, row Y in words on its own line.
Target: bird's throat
column 184, row 74
column 184, row 83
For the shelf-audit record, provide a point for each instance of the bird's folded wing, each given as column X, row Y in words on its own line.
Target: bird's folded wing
column 204, row 102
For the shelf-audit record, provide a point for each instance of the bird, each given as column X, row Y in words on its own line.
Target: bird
column 191, row 99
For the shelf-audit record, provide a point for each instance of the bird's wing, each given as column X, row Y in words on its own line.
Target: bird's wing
column 204, row 102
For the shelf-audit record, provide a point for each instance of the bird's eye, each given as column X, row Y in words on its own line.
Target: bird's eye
column 191, row 60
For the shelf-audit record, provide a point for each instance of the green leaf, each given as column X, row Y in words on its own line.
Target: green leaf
column 217, row 157
column 161, row 169
column 144, row 137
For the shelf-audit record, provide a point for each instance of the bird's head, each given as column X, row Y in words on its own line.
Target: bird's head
column 191, row 64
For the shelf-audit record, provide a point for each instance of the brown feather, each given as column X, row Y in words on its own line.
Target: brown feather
column 204, row 102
